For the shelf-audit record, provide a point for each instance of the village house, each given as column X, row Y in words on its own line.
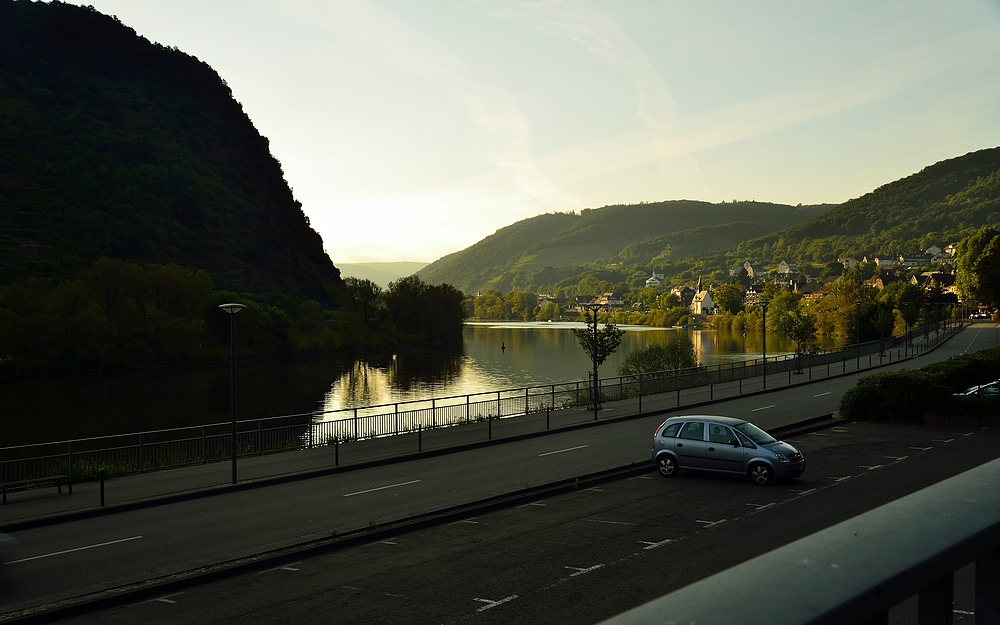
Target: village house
column 751, row 297
column 849, row 263
column 702, row 303
column 885, row 262
column 785, row 268
column 810, row 289
column 655, row 280
column 611, row 301
column 913, row 260
column 951, row 249
column 756, row 271
column 685, row 294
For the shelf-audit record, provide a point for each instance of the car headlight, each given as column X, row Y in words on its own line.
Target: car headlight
column 782, row 458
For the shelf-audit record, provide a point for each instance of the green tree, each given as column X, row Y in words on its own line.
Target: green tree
column 729, row 297
column 676, row 353
column 968, row 255
column 883, row 321
column 548, row 312
column 599, row 344
column 800, row 327
column 987, row 274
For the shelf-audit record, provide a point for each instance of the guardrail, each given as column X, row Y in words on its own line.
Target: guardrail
column 137, row 452
column 856, row 571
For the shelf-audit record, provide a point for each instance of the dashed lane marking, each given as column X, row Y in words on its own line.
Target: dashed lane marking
column 559, row 451
column 763, row 407
column 650, row 545
column 372, row 490
column 59, row 553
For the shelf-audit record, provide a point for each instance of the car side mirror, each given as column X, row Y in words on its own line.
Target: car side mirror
column 734, row 442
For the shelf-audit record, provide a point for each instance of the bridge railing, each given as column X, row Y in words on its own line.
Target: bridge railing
column 856, row 571
column 138, row 452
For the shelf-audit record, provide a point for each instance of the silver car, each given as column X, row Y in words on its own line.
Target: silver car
column 723, row 445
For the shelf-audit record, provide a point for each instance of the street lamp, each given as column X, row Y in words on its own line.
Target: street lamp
column 232, row 309
column 857, row 330
column 593, row 307
column 763, row 331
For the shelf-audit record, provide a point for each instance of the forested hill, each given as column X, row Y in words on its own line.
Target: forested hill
column 549, row 248
column 938, row 205
column 111, row 145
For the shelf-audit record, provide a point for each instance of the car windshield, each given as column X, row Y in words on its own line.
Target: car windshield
column 756, row 434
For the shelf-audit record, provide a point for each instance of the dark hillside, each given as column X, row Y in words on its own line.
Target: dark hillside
column 114, row 146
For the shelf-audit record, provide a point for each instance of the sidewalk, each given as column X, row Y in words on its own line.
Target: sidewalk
column 46, row 505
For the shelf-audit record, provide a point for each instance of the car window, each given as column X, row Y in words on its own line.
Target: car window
column 754, row 433
column 720, row 434
column 671, row 430
column 694, row 431
column 744, row 439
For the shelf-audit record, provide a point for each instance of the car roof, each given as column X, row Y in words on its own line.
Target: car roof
column 708, row 418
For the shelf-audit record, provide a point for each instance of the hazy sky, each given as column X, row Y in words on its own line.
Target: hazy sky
column 412, row 129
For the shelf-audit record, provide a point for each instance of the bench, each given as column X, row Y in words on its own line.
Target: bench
column 17, row 485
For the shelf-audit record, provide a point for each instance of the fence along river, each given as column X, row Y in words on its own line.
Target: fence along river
column 150, row 450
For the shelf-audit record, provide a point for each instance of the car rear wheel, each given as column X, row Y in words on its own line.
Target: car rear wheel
column 761, row 474
column 666, row 465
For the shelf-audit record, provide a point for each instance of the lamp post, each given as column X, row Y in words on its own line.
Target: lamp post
column 857, row 330
column 593, row 308
column 232, row 309
column 763, row 331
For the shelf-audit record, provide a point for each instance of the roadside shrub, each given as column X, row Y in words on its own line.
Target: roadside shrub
column 894, row 396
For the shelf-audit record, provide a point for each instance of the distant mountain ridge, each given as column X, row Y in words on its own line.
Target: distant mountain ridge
column 636, row 233
column 114, row 146
column 381, row 273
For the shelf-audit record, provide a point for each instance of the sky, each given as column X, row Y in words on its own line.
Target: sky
column 413, row 129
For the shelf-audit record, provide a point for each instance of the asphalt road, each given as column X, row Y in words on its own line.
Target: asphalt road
column 590, row 554
column 62, row 561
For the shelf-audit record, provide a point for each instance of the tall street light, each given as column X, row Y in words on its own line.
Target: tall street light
column 593, row 308
column 763, row 331
column 232, row 309
column 857, row 330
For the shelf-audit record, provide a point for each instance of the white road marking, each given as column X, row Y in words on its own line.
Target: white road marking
column 869, row 468
column 839, row 479
column 387, row 542
column 595, row 489
column 609, row 522
column 822, row 394
column 59, row 553
column 372, row 490
column 650, row 545
column 763, row 407
column 641, row 477
column 942, row 440
column 803, row 492
column 963, row 612
column 816, row 434
column 534, row 503
column 469, row 521
column 492, row 604
column 897, row 458
column 761, row 506
column 165, row 598
column 709, row 524
column 580, row 571
column 922, row 448
column 287, row 567
column 549, row 453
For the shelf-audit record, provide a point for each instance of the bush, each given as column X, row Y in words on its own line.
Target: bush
column 893, row 396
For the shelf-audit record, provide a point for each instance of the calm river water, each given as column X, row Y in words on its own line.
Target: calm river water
column 493, row 356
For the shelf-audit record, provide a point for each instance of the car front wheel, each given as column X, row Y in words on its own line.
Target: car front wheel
column 761, row 474
column 666, row 465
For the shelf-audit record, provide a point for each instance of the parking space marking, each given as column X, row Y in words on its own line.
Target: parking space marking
column 469, row 521
column 286, row 567
column 595, row 489
column 560, row 451
column 650, row 545
column 165, row 598
column 492, row 604
column 709, row 524
column 822, row 394
column 922, row 448
column 763, row 407
column 533, row 503
column 816, row 434
column 608, row 522
column 942, row 440
column 372, row 490
column 839, row 479
column 803, row 492
column 580, row 571
column 761, row 506
column 641, row 477
column 869, row 468
column 897, row 458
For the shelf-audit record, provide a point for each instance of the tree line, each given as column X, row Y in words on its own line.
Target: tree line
column 119, row 314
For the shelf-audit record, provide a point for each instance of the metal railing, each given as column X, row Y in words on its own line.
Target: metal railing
column 856, row 571
column 125, row 454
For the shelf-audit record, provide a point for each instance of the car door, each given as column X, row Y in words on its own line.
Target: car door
column 691, row 446
column 725, row 452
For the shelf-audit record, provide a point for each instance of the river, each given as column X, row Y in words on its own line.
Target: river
column 493, row 356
